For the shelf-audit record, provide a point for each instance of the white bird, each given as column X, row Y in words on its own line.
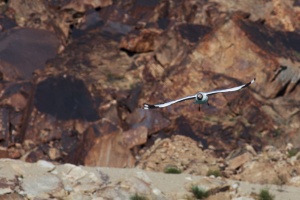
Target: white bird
column 200, row 97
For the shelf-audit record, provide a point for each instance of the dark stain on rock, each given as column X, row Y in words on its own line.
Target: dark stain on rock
column 65, row 98
column 4, row 125
column 27, row 50
column 10, row 90
column 130, row 99
column 72, row 146
column 193, row 32
column 93, row 21
column 163, row 23
column 296, row 3
column 147, row 3
column 284, row 44
column 6, row 23
column 184, row 128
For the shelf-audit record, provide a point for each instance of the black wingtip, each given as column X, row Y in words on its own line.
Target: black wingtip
column 246, row 85
column 149, row 106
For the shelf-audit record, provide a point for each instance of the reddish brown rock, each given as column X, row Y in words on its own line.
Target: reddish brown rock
column 3, row 152
column 140, row 41
column 93, row 91
column 238, row 161
column 114, row 149
column 135, row 137
column 151, row 119
column 111, row 151
column 17, row 101
column 81, row 6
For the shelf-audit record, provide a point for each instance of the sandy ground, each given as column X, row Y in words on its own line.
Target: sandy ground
column 177, row 183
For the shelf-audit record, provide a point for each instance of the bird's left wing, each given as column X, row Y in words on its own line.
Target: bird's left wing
column 150, row 106
column 231, row 89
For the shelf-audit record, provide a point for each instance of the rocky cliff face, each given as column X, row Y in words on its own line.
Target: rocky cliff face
column 83, row 104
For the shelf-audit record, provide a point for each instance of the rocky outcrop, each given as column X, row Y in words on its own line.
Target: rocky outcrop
column 44, row 180
column 243, row 164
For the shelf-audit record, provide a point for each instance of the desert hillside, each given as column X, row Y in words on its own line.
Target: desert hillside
column 74, row 76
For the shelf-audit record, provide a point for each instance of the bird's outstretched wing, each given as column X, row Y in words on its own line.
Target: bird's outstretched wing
column 231, row 89
column 150, row 106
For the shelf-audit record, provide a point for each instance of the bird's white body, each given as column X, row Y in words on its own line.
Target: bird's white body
column 200, row 97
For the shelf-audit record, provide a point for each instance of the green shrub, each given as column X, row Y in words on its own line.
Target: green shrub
column 138, row 197
column 292, row 152
column 215, row 173
column 265, row 195
column 199, row 193
column 172, row 170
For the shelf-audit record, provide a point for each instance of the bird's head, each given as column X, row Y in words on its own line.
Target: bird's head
column 199, row 96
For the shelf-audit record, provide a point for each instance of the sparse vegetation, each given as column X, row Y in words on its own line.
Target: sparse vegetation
column 265, row 195
column 199, row 193
column 277, row 132
column 215, row 173
column 231, row 119
column 292, row 152
column 111, row 77
column 206, row 118
column 138, row 197
column 172, row 170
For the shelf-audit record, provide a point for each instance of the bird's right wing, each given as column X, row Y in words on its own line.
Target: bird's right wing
column 231, row 89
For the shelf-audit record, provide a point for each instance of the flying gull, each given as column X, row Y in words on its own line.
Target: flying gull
column 200, row 97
